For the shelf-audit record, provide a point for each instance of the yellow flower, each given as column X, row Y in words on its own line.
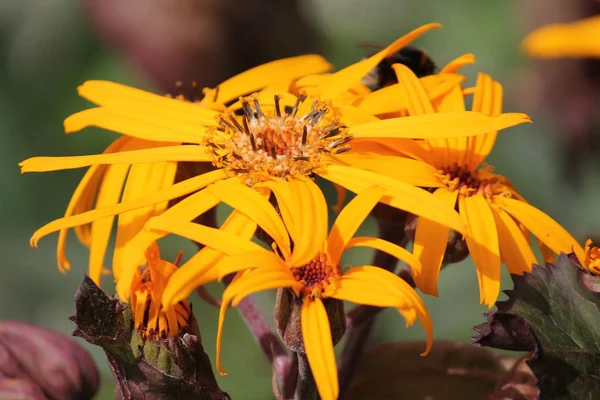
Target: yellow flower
column 498, row 219
column 312, row 269
column 592, row 257
column 275, row 135
column 576, row 39
column 147, row 289
column 121, row 175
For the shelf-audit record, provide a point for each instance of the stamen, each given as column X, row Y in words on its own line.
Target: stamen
column 277, row 108
column 299, row 100
column 258, row 109
column 304, row 134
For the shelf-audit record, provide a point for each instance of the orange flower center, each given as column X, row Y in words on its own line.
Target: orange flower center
column 592, row 257
column 469, row 181
column 317, row 275
column 258, row 146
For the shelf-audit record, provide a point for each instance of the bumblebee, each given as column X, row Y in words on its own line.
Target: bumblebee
column 383, row 74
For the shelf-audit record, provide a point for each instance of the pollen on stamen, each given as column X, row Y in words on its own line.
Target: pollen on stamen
column 316, row 275
column 276, row 142
column 469, row 181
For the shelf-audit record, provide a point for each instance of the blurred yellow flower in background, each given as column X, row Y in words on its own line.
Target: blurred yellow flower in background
column 576, row 39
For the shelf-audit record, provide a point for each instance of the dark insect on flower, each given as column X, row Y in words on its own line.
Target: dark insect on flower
column 383, row 75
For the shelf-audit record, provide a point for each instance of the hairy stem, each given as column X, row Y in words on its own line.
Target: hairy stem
column 306, row 388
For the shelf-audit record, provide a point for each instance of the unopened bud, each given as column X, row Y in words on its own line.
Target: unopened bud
column 288, row 310
column 54, row 363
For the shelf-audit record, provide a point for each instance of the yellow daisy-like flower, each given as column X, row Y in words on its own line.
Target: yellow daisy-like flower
column 275, row 135
column 144, row 161
column 147, row 290
column 311, row 269
column 576, row 39
column 591, row 260
column 498, row 219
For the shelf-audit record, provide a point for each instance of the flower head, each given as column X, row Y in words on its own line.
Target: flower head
column 591, row 261
column 498, row 219
column 576, row 39
column 148, row 286
column 312, row 268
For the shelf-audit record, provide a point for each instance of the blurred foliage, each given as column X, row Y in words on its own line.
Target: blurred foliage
column 47, row 48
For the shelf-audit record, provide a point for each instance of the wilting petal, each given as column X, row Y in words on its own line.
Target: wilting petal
column 411, row 171
column 279, row 70
column 387, row 247
column 205, row 266
column 577, row 39
column 542, row 226
column 398, row 194
column 255, row 206
column 350, row 219
column 440, row 125
column 115, row 95
column 150, row 155
column 135, row 123
column 459, row 62
column 514, row 248
column 373, row 285
column 347, row 77
column 429, row 246
column 482, row 241
column 319, row 348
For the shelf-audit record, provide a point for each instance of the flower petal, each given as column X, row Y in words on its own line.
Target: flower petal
column 429, row 246
column 459, row 62
column 577, row 39
column 115, row 95
column 205, row 266
column 350, row 219
column 255, row 206
column 398, row 194
column 411, row 171
column 514, row 248
column 319, row 348
column 487, row 100
column 174, row 191
column 417, row 101
column 265, row 74
column 136, row 123
column 482, row 241
column 387, row 247
column 542, row 226
column 347, row 77
column 150, row 155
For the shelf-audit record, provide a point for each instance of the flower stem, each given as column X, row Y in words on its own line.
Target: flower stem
column 360, row 321
column 306, row 388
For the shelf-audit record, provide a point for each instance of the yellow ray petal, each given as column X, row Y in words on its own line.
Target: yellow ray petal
column 398, row 194
column 542, row 226
column 205, row 266
column 352, row 116
column 392, row 147
column 347, row 77
column 417, row 101
column 487, row 100
column 455, row 150
column 81, row 201
column 390, row 248
column 379, row 283
column 135, row 123
column 391, row 99
column 115, row 95
column 319, row 348
column 341, row 198
column 177, row 190
column 411, row 171
column 459, row 62
column 143, row 179
column 482, row 241
column 255, row 206
column 279, row 70
column 350, row 219
column 514, row 248
column 168, row 153
column 441, row 125
column 109, row 194
column 577, row 39
column 429, row 246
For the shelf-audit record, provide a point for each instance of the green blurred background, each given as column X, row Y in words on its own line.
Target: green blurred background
column 49, row 47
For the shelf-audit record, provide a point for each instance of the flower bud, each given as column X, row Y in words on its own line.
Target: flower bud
column 288, row 309
column 55, row 364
